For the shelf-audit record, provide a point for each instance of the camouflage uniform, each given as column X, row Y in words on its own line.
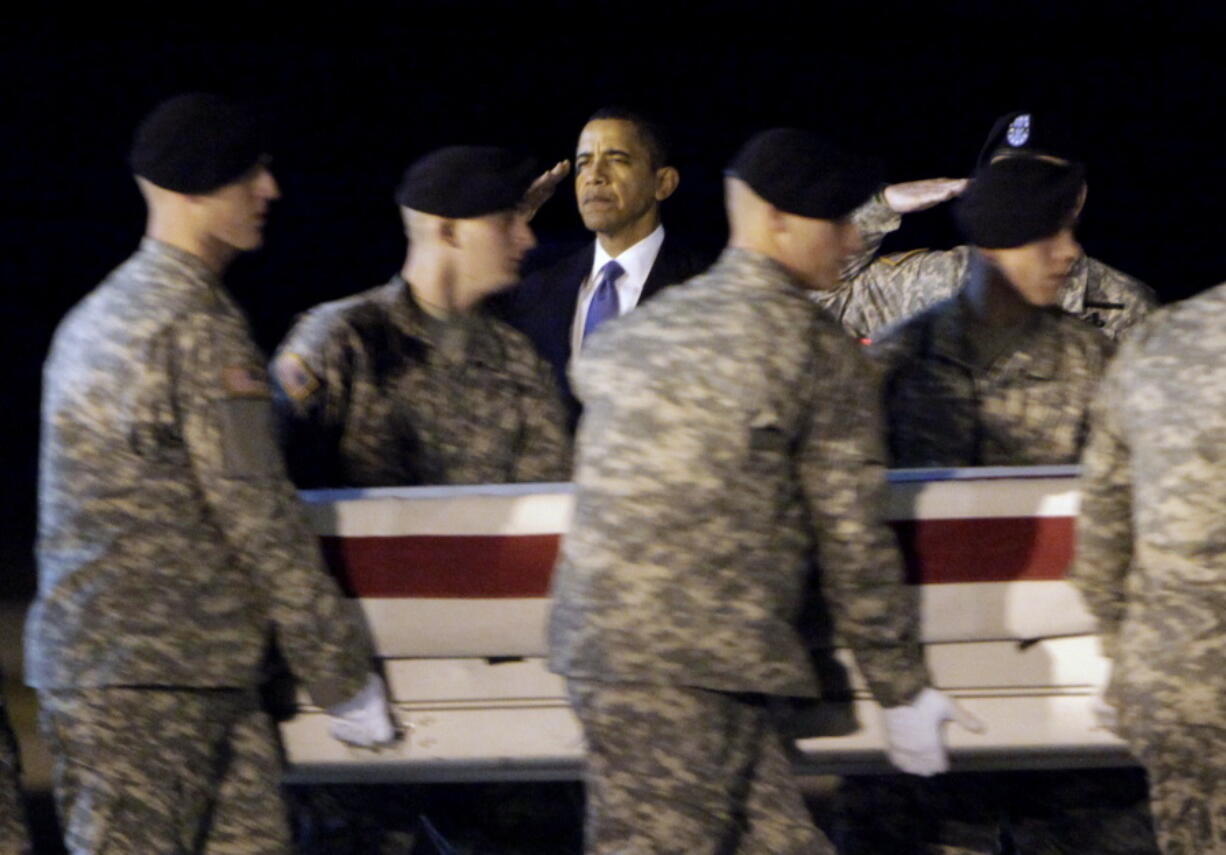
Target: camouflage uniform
column 1150, row 564
column 14, row 836
column 171, row 550
column 879, row 293
column 1029, row 406
column 372, row 392
column 726, row 448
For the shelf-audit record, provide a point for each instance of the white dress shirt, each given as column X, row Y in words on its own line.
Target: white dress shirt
column 636, row 265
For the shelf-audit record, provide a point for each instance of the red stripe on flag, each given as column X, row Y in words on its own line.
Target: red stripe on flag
column 995, row 549
column 1001, row 549
column 460, row 566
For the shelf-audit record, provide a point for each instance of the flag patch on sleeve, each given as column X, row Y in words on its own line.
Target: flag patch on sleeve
column 298, row 381
column 244, row 381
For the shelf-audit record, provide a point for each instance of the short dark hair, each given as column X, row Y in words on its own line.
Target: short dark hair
column 651, row 133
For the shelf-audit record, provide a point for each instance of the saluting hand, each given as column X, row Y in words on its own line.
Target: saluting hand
column 542, row 187
column 911, row 196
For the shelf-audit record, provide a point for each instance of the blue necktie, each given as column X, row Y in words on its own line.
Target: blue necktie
column 604, row 303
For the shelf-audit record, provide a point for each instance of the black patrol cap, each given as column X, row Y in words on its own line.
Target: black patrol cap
column 802, row 173
column 1024, row 133
column 463, row 181
column 196, row 143
column 1018, row 200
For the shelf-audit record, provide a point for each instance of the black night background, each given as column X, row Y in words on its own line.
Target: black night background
column 356, row 92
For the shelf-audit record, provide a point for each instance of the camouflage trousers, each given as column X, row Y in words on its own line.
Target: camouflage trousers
column 14, row 836
column 674, row 769
column 1187, row 782
column 165, row 771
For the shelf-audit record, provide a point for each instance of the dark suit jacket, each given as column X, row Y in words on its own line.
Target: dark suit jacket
column 542, row 306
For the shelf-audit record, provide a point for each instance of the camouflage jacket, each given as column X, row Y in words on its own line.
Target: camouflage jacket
column 730, row 495
column 1149, row 561
column 14, row 835
column 171, row 545
column 1029, row 406
column 878, row 293
column 373, row 392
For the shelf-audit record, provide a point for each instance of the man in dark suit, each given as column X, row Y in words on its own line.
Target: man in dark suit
column 621, row 177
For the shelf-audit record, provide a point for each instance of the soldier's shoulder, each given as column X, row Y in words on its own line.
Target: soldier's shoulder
column 327, row 320
column 1106, row 283
column 688, row 299
column 517, row 345
column 1197, row 322
column 145, row 310
column 678, row 318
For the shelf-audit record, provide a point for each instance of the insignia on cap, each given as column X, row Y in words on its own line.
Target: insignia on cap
column 1019, row 130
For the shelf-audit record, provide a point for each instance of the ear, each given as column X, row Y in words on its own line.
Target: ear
column 667, row 179
column 448, row 233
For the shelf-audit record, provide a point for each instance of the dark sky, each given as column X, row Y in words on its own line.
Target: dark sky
column 359, row 93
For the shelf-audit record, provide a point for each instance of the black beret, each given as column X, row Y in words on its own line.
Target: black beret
column 1018, row 200
column 196, row 143
column 463, row 181
column 1021, row 133
column 802, row 173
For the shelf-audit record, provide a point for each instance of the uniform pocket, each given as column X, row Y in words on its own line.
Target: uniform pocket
column 766, row 433
column 249, row 450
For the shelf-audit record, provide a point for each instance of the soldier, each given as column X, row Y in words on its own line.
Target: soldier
column 730, row 480
column 1150, row 566
column 171, row 547
column 411, row 382
column 997, row 375
column 874, row 296
column 14, row 835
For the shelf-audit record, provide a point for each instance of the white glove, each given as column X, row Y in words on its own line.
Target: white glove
column 1104, row 713
column 913, row 732
column 366, row 718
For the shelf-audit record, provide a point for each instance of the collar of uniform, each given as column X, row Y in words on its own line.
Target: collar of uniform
column 191, row 265
column 180, row 268
column 484, row 345
column 1073, row 292
column 745, row 266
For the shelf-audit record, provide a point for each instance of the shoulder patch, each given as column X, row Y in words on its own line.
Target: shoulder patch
column 244, row 381
column 897, row 258
column 298, row 381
